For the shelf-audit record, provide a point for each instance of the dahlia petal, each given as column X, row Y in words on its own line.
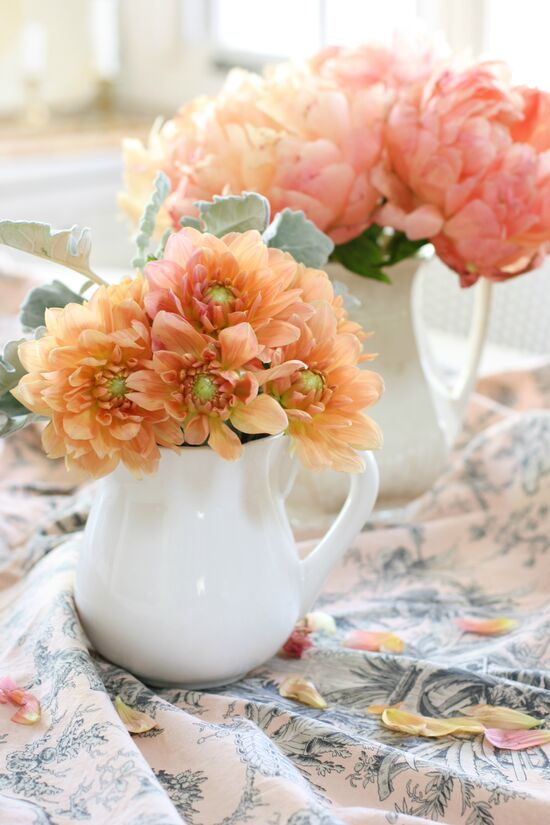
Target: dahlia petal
column 497, row 716
column 277, row 333
column 302, row 690
column 223, row 440
column 238, row 346
column 262, row 415
column 488, row 627
column 124, row 430
column 178, row 335
column 162, row 275
column 281, row 371
column 197, row 430
column 135, row 721
column 80, row 426
column 517, row 740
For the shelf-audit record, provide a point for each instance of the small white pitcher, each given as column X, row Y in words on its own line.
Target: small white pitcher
column 420, row 415
column 191, row 577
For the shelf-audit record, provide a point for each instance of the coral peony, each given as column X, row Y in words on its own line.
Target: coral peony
column 207, row 384
column 325, row 400
column 465, row 168
column 78, row 377
column 292, row 136
column 215, row 283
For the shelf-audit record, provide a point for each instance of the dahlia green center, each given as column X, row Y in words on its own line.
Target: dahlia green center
column 204, row 388
column 220, row 294
column 117, row 387
column 311, row 381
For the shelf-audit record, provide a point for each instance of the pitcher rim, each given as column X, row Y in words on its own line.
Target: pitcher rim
column 204, row 447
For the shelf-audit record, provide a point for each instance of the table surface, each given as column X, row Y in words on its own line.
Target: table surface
column 476, row 545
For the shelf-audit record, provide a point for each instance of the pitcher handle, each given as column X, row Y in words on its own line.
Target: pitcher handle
column 348, row 523
column 457, row 393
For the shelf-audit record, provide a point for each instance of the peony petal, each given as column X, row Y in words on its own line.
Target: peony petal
column 302, row 690
column 488, row 627
column 238, row 346
column 30, row 712
column 375, row 641
column 517, row 740
column 296, row 644
column 135, row 721
column 262, row 415
column 413, row 723
column 319, row 621
column 497, row 716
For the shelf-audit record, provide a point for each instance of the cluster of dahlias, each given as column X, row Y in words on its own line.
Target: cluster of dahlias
column 399, row 138
column 222, row 337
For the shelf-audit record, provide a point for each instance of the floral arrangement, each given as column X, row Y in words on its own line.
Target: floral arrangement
column 385, row 149
column 228, row 332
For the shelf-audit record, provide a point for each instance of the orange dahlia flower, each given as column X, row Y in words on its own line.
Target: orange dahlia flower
column 78, row 378
column 215, row 283
column 204, row 383
column 324, row 400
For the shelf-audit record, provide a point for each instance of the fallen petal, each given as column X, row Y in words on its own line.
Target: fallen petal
column 135, row 721
column 517, row 740
column 302, row 690
column 319, row 621
column 378, row 710
column 375, row 641
column 29, row 713
column 412, row 723
column 488, row 627
column 496, row 716
column 297, row 643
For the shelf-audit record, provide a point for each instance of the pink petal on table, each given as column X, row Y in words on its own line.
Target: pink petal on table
column 29, row 712
column 488, row 627
column 517, row 740
column 374, row 641
column 135, row 721
column 7, row 684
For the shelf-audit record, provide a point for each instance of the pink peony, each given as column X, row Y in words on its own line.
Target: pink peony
column 465, row 166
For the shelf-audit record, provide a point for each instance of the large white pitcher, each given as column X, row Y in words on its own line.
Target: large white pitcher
column 191, row 576
column 420, row 415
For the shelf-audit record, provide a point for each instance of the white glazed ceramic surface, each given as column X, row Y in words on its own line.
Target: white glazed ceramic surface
column 419, row 415
column 191, row 576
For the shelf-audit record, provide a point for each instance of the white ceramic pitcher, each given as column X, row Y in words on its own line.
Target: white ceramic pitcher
column 420, row 415
column 191, row 577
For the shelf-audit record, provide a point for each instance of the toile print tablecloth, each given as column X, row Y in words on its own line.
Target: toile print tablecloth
column 477, row 545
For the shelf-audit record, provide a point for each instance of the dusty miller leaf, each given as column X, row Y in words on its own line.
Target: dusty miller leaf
column 293, row 232
column 234, row 213
column 68, row 247
column 149, row 218
column 41, row 298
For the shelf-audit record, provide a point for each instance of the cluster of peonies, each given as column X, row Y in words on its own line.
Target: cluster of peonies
column 223, row 337
column 396, row 136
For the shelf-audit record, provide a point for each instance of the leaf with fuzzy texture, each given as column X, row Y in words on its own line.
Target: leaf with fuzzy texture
column 148, row 220
column 234, row 213
column 293, row 232
column 42, row 298
column 11, row 368
column 68, row 247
